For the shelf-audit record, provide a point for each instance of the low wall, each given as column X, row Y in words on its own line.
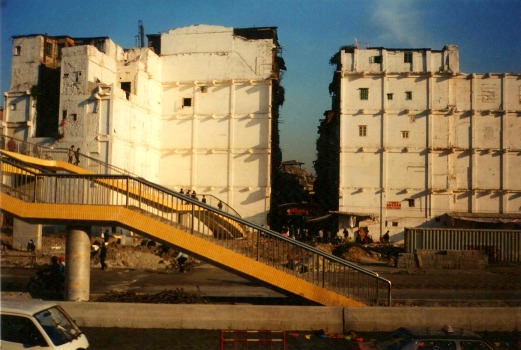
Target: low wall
column 254, row 317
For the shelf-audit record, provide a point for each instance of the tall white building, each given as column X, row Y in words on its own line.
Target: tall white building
column 196, row 110
column 418, row 139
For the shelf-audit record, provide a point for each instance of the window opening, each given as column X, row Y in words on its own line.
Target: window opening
column 408, row 95
column 395, row 224
column 74, row 117
column 405, row 134
column 48, row 49
column 362, row 130
column 364, row 93
column 204, row 89
column 17, row 51
column 77, row 76
column 126, row 86
column 187, row 102
column 407, row 57
column 375, row 59
column 389, row 96
column 411, row 202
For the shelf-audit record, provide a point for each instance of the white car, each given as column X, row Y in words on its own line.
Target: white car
column 37, row 324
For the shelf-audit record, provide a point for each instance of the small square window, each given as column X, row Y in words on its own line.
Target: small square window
column 395, row 224
column 17, row 50
column 74, row 117
column 375, row 59
column 407, row 57
column 411, row 202
column 187, row 102
column 408, row 95
column 405, row 134
column 364, row 93
column 389, row 96
column 362, row 130
column 204, row 89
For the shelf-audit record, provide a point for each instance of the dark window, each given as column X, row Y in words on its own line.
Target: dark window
column 21, row 330
column 362, row 130
column 395, row 224
column 407, row 57
column 48, row 49
column 74, row 117
column 364, row 93
column 375, row 59
column 405, row 134
column 389, row 96
column 126, row 86
column 77, row 76
column 17, row 51
column 411, row 202
column 187, row 102
column 408, row 95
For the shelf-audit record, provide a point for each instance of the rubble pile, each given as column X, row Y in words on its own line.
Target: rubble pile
column 177, row 296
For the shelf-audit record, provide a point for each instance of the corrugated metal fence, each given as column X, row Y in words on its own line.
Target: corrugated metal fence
column 500, row 245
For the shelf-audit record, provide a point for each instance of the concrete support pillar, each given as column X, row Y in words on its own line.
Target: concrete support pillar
column 77, row 264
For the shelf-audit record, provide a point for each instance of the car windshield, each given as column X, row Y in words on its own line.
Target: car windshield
column 57, row 325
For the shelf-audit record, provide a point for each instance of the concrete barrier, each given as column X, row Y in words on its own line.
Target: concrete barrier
column 254, row 317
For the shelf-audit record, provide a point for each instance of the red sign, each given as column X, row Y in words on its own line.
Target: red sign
column 394, row 205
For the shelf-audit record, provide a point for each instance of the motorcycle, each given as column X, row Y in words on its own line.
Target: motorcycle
column 48, row 283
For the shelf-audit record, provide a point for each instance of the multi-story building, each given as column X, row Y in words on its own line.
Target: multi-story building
column 196, row 110
column 420, row 143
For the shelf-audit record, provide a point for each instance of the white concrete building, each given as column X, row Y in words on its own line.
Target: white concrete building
column 194, row 110
column 419, row 139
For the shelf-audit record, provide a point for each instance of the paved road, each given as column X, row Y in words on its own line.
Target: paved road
column 494, row 286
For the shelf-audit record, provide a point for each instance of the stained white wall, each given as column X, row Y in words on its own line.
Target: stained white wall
column 461, row 152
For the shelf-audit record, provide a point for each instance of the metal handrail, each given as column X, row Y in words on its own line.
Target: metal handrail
column 203, row 220
column 13, row 144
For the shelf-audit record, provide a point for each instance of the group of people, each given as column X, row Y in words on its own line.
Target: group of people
column 74, row 155
column 193, row 194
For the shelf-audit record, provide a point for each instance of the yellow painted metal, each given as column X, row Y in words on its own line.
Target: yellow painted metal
column 181, row 239
column 55, row 165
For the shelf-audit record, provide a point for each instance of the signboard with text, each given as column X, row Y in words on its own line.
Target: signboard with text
column 394, row 205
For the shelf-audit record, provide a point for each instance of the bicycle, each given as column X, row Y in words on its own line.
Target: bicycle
column 174, row 267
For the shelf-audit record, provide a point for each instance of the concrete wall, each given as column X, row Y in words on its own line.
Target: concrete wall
column 254, row 317
column 449, row 146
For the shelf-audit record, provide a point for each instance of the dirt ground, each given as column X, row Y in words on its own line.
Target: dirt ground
column 145, row 254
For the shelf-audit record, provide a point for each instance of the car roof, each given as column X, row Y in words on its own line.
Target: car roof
column 25, row 307
column 428, row 333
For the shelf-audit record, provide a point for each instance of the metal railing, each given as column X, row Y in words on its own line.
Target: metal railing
column 95, row 165
column 256, row 242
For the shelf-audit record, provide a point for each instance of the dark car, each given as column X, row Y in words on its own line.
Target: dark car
column 431, row 339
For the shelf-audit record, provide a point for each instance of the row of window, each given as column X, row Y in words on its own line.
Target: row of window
column 407, row 58
column 362, row 131
column 364, row 94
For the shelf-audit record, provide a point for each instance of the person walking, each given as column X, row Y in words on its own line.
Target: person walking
column 77, row 156
column 31, row 247
column 71, row 154
column 103, row 255
column 203, row 199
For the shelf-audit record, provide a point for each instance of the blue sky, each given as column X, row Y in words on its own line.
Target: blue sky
column 487, row 32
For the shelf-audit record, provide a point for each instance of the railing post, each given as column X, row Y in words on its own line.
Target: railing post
column 128, row 192
column 193, row 220
column 258, row 244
